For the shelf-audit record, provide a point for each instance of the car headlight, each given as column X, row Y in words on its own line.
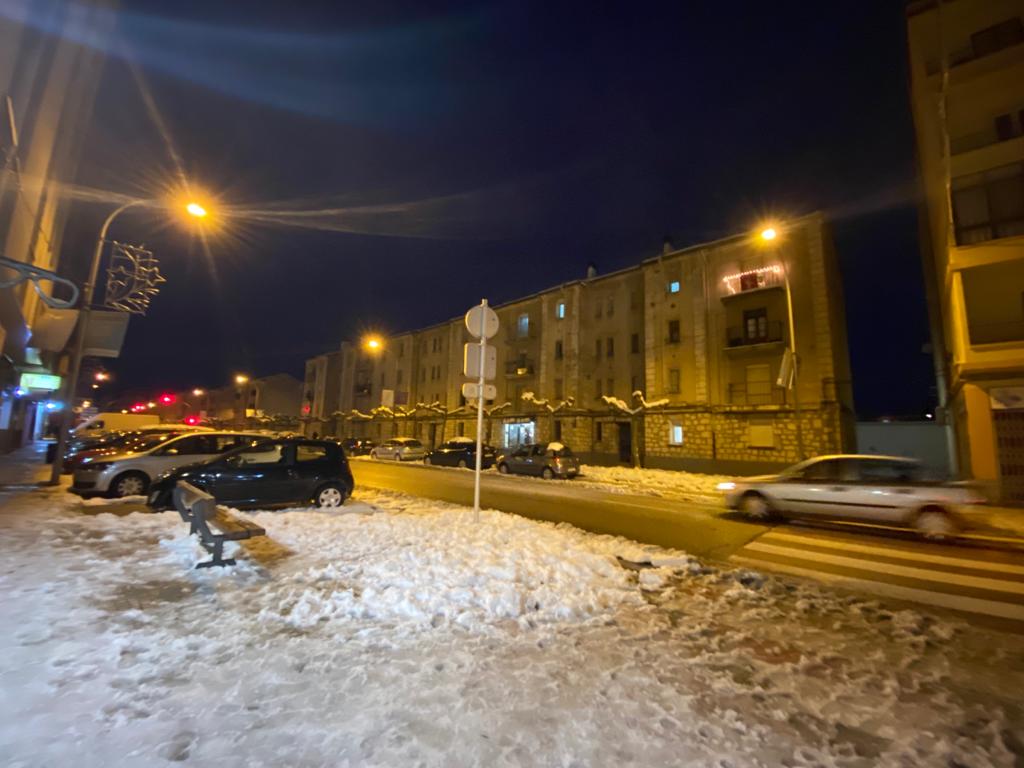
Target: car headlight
column 726, row 486
column 98, row 465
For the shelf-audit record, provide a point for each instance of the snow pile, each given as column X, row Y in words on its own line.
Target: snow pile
column 652, row 482
column 429, row 563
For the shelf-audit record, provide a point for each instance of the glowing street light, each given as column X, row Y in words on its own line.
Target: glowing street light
column 241, row 378
column 102, row 376
column 196, row 210
column 373, row 344
column 769, row 233
column 197, row 392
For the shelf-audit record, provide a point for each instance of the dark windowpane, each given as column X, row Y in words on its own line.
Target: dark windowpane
column 1004, row 127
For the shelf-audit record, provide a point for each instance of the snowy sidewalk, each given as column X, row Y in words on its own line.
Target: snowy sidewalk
column 398, row 631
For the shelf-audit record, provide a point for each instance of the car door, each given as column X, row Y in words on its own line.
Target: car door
column 314, row 464
column 885, row 489
column 178, row 453
column 813, row 489
column 517, row 460
column 258, row 475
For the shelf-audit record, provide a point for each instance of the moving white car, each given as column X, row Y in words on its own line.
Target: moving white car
column 400, row 449
column 129, row 473
column 880, row 489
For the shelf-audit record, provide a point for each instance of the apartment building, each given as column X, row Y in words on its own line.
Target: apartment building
column 47, row 87
column 698, row 333
column 967, row 93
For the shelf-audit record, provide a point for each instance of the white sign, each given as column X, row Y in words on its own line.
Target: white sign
column 387, row 398
column 471, row 361
column 471, row 391
column 481, row 320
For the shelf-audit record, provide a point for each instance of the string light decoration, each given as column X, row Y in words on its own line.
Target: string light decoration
column 751, row 279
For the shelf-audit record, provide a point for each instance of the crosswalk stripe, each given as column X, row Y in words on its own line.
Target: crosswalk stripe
column 922, row 574
column 899, row 554
column 895, row 591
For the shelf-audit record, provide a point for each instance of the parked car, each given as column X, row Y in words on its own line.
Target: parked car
column 128, row 472
column 113, row 442
column 399, row 449
column 461, row 452
column 358, row 446
column 547, row 460
column 273, row 472
column 885, row 489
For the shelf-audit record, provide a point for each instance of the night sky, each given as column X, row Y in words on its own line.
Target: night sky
column 494, row 149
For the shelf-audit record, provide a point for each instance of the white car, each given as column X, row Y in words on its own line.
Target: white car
column 400, row 449
column 880, row 489
column 129, row 473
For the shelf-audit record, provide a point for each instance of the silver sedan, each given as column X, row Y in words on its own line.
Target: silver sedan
column 400, row 449
column 879, row 489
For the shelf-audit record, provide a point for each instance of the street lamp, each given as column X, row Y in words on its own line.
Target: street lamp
column 769, row 234
column 197, row 392
column 373, row 344
column 75, row 364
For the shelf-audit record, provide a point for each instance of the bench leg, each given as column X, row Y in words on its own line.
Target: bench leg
column 218, row 550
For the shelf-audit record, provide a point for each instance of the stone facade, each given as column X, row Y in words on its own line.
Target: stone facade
column 698, row 333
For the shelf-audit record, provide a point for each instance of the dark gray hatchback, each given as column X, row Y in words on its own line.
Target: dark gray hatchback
column 547, row 460
column 267, row 473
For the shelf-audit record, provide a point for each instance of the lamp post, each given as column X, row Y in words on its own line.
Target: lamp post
column 241, row 380
column 75, row 363
column 769, row 235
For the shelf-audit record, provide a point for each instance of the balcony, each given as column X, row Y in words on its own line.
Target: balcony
column 997, row 333
column 740, row 336
column 752, row 280
column 518, row 368
column 756, row 393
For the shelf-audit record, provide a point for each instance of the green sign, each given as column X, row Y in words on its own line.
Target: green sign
column 45, row 381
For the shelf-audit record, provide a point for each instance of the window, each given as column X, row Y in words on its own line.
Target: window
column 223, row 443
column 523, row 326
column 401, row 348
column 989, row 205
column 398, row 377
column 559, row 391
column 755, row 324
column 597, row 347
column 882, row 472
column 634, row 343
column 673, row 331
column 610, row 387
column 634, row 384
column 597, row 389
column 1004, row 127
column 759, row 384
column 600, row 433
column 188, row 446
column 259, row 455
column 558, row 430
column 560, row 310
column 760, row 435
column 609, row 347
column 461, row 429
column 673, row 287
column 310, row 453
column 611, row 307
column 558, row 349
column 673, row 381
column 675, row 433
column 598, row 306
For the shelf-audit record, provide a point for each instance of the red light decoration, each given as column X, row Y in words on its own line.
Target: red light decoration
column 166, row 399
column 191, row 420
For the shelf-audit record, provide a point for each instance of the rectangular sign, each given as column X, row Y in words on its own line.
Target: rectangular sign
column 46, row 381
column 471, row 361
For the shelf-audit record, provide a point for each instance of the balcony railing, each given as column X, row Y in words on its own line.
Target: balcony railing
column 519, row 368
column 753, row 280
column 741, row 336
column 756, row 393
column 997, row 333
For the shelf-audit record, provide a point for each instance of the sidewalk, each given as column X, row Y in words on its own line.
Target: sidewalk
column 25, row 466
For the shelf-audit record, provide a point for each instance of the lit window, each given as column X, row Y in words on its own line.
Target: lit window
column 673, row 287
column 675, row 433
column 523, row 326
column 560, row 310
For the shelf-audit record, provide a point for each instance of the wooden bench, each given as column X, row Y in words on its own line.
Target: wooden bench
column 199, row 509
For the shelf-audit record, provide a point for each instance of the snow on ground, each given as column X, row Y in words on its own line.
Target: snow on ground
column 652, row 482
column 398, row 632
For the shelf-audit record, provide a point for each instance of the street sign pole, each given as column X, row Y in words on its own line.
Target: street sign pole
column 482, row 323
column 480, row 413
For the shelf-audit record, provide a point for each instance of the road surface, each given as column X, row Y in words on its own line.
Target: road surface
column 982, row 580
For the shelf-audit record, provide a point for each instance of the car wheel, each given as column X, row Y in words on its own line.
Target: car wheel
column 332, row 495
column 129, row 484
column 373, row 455
column 547, row 474
column 503, row 468
column 427, row 460
column 755, row 506
column 935, row 523
column 462, row 464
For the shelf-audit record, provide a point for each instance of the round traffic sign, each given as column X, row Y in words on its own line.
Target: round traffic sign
column 481, row 320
